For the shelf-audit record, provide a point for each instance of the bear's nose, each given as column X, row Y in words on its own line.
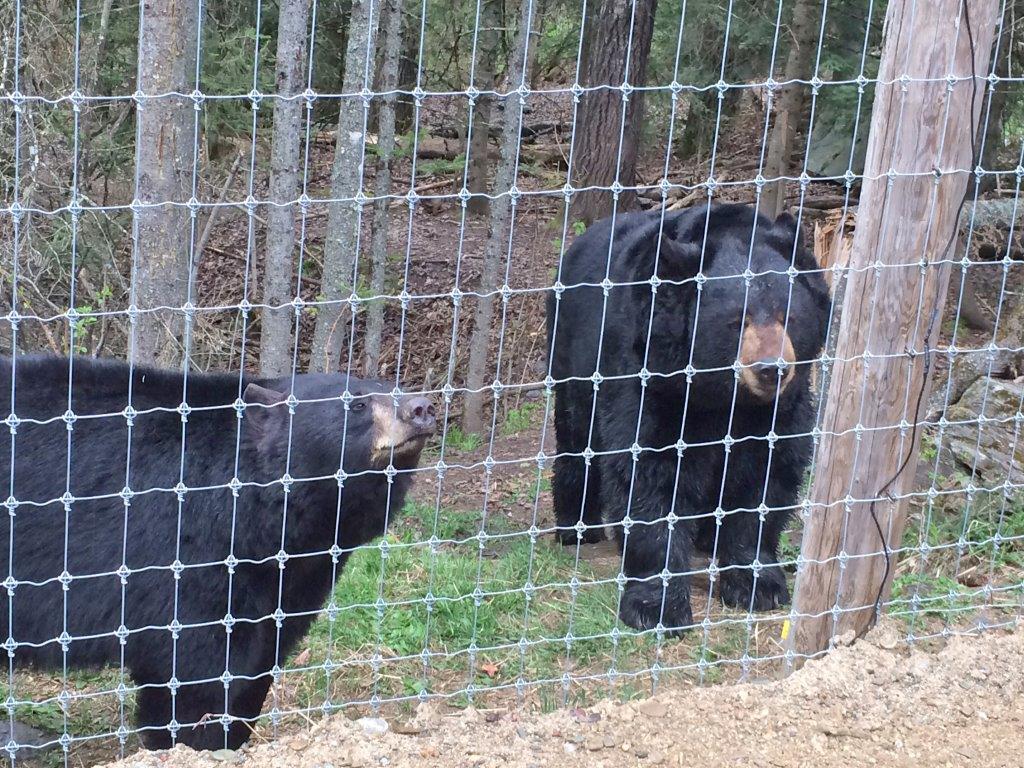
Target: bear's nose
column 419, row 412
column 767, row 371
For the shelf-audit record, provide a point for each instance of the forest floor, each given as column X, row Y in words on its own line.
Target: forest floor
column 872, row 703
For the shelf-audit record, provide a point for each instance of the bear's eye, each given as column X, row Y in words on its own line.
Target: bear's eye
column 358, row 405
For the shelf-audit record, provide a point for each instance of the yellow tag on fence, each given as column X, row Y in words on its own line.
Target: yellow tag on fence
column 785, row 629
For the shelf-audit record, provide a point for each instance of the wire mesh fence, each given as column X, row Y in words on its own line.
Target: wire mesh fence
column 488, row 275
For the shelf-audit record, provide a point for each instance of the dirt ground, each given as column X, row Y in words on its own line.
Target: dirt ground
column 872, row 703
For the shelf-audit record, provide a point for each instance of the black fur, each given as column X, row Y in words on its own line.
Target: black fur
column 200, row 529
column 659, row 481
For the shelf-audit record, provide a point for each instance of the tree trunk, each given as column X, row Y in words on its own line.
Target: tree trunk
column 285, row 156
column 1005, row 92
column 341, row 239
column 502, row 211
column 623, row 31
column 165, row 136
column 482, row 114
column 789, row 103
column 88, row 85
column 408, row 69
column 391, row 29
column 898, row 276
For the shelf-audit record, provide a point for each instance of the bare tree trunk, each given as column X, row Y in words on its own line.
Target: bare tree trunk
column 391, row 27
column 500, row 225
column 478, row 131
column 285, row 154
column 341, row 240
column 866, row 456
column 408, row 67
column 163, row 156
column 87, row 121
column 623, row 31
column 1006, row 91
column 789, row 103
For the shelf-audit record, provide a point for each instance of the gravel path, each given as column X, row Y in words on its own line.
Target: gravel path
column 872, row 703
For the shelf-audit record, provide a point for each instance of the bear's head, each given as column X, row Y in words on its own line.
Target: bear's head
column 759, row 308
column 375, row 429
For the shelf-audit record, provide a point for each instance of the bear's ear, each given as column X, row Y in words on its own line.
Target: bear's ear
column 678, row 260
column 787, row 230
column 264, row 418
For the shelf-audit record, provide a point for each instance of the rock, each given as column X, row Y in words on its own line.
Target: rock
column 409, row 728
column 569, row 748
column 583, row 716
column 224, row 755
column 994, row 450
column 847, row 638
column 427, row 714
column 25, row 735
column 652, row 708
column 373, row 726
column 594, row 743
column 885, row 638
column 656, row 758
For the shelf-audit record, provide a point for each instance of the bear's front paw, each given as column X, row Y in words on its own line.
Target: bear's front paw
column 591, row 535
column 641, row 606
column 738, row 583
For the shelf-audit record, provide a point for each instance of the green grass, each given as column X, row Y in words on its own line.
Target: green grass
column 728, row 644
column 458, row 440
column 939, row 596
column 441, row 166
column 988, row 515
column 789, row 550
column 522, row 418
column 84, row 716
column 963, row 554
column 498, row 618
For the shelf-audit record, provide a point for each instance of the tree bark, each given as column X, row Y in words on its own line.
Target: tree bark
column 89, row 113
column 502, row 211
column 867, row 455
column 165, row 136
column 408, row 69
column 391, row 29
column 789, row 103
column 482, row 114
column 623, row 32
column 341, row 239
column 285, row 157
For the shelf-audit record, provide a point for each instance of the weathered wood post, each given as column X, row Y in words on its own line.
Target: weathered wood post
column 918, row 166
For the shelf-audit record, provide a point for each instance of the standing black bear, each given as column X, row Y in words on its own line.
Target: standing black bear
column 708, row 321
column 140, row 536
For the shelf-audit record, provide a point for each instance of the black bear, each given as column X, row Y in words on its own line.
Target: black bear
column 189, row 529
column 681, row 349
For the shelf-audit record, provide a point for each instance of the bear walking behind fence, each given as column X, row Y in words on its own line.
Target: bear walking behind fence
column 683, row 408
column 159, row 531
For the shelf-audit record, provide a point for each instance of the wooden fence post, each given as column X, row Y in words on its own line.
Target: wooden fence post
column 918, row 166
